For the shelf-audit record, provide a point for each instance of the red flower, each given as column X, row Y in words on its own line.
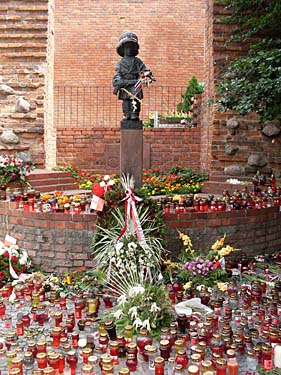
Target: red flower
column 6, row 254
column 15, row 268
column 2, row 275
column 98, row 190
column 24, row 268
column 14, row 258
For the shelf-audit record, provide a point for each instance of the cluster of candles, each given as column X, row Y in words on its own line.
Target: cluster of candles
column 34, row 201
column 43, row 333
column 262, row 196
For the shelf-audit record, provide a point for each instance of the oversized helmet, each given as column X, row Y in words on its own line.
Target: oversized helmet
column 127, row 37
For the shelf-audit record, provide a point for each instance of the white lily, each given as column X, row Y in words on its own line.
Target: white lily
column 154, row 307
column 118, row 314
column 137, row 323
column 135, row 290
column 146, row 324
column 119, row 245
column 133, row 311
column 121, row 300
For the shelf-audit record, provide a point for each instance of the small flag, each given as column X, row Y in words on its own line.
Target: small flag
column 138, row 86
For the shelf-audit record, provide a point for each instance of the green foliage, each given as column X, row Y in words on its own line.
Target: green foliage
column 252, row 83
column 188, row 97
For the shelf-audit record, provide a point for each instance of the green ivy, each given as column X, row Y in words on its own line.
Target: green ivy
column 252, row 83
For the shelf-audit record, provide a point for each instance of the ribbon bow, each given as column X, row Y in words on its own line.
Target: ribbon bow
column 131, row 213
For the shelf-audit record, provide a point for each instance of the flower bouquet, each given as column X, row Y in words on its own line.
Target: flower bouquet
column 140, row 303
column 206, row 268
column 12, row 168
column 13, row 262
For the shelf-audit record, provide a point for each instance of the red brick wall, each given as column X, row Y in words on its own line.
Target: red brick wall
column 54, row 245
column 98, row 149
column 61, row 242
column 252, row 231
column 171, row 39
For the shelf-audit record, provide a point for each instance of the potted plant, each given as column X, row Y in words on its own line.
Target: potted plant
column 194, row 88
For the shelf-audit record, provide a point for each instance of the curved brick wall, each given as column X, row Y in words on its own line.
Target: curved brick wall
column 60, row 242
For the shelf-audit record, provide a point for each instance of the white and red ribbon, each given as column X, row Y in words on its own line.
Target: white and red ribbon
column 131, row 213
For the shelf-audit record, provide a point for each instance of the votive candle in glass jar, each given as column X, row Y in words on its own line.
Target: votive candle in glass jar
column 267, row 363
column 124, row 371
column 58, row 318
column 28, row 361
column 72, row 361
column 56, row 333
column 193, row 370
column 41, row 347
column 131, row 362
column 221, row 366
column 165, row 349
column 111, row 330
column 151, row 352
column 159, row 365
column 17, row 363
column 41, row 360
column 181, row 358
column 74, row 339
column 128, row 333
column 142, row 340
column 54, row 360
column 113, row 351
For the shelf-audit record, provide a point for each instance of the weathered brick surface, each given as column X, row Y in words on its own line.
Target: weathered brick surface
column 167, row 147
column 171, row 38
column 23, row 42
column 61, row 242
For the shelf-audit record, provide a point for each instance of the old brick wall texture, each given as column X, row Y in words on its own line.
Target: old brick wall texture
column 171, row 39
column 23, row 41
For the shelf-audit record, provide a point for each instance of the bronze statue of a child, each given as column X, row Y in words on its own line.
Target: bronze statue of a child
column 131, row 75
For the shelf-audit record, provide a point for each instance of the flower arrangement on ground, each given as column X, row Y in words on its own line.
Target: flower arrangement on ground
column 140, row 303
column 128, row 247
column 201, row 268
column 13, row 168
column 13, row 262
column 177, row 180
column 128, row 235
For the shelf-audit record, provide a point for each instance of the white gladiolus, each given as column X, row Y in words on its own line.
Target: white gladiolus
column 137, row 323
column 118, row 314
column 106, row 177
column 154, row 307
column 136, row 290
column 119, row 246
column 121, row 300
column 146, row 324
column 133, row 311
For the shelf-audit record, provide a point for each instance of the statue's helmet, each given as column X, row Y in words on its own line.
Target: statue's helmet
column 127, row 37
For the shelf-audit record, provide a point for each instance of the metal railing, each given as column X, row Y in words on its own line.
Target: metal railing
column 96, row 106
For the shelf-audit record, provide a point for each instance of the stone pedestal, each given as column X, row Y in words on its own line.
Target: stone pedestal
column 131, row 150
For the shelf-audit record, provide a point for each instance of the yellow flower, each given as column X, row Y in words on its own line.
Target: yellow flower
column 171, row 264
column 225, row 251
column 188, row 285
column 222, row 286
column 218, row 244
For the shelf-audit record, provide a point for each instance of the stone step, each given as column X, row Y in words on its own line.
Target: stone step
column 48, row 180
